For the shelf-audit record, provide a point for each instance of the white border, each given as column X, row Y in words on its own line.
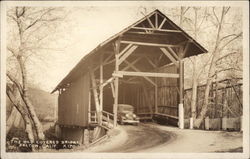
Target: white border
column 243, row 4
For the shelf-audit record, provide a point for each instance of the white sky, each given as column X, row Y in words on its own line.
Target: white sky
column 83, row 31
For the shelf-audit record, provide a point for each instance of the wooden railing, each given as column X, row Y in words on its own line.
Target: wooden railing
column 107, row 119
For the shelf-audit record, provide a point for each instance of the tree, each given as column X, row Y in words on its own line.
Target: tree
column 221, row 42
column 30, row 29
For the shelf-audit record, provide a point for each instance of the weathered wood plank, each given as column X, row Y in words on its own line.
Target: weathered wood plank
column 169, row 56
column 148, row 74
column 148, row 44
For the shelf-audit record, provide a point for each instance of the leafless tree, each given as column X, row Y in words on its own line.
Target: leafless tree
column 29, row 32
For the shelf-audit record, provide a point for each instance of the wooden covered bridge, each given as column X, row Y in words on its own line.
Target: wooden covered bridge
column 142, row 66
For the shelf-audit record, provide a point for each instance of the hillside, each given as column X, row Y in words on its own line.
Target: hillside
column 44, row 103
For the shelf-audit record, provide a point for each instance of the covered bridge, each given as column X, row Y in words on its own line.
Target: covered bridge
column 142, row 66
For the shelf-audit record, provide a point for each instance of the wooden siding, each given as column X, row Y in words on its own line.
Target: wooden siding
column 73, row 103
column 168, row 92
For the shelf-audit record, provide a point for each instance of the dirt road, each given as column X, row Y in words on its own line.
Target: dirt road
column 140, row 138
column 156, row 138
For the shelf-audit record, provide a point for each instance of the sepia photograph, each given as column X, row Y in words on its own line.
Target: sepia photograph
column 128, row 79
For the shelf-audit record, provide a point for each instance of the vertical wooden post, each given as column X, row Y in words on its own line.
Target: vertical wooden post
column 156, row 102
column 101, row 81
column 116, row 82
column 89, row 107
column 181, row 85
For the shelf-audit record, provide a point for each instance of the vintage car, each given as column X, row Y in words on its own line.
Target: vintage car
column 125, row 114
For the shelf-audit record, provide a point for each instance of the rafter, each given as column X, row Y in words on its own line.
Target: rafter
column 169, row 56
column 124, row 50
column 149, row 21
column 173, row 53
column 162, row 23
column 148, row 44
column 148, row 74
column 133, row 63
column 125, row 55
column 157, row 29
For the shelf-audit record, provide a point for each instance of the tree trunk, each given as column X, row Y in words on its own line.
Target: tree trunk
column 194, row 90
column 203, row 112
column 15, row 99
column 11, row 119
column 29, row 106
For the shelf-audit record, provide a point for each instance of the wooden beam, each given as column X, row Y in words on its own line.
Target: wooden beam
column 148, row 44
column 116, row 82
column 136, row 69
column 150, row 62
column 156, row 99
column 107, row 82
column 95, row 93
column 133, row 63
column 129, row 52
column 112, row 89
column 173, row 53
column 124, row 50
column 162, row 23
column 169, row 56
column 148, row 74
column 89, row 107
column 101, row 81
column 160, row 30
column 181, row 80
column 185, row 50
column 156, row 20
column 150, row 23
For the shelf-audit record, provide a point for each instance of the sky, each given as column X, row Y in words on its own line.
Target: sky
column 84, row 28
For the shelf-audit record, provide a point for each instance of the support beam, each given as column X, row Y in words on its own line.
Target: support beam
column 133, row 63
column 148, row 44
column 148, row 74
column 162, row 23
column 185, row 50
column 181, row 100
column 107, row 82
column 156, row 20
column 112, row 89
column 95, row 93
column 156, row 99
column 125, row 55
column 136, row 69
column 160, row 30
column 150, row 62
column 150, row 23
column 169, row 56
column 173, row 53
column 116, row 82
column 124, row 50
column 101, row 81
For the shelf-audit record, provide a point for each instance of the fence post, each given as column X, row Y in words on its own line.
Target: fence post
column 224, row 123
column 207, row 123
column 191, row 121
column 181, row 116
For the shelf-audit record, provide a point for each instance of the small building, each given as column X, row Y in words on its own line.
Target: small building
column 142, row 66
